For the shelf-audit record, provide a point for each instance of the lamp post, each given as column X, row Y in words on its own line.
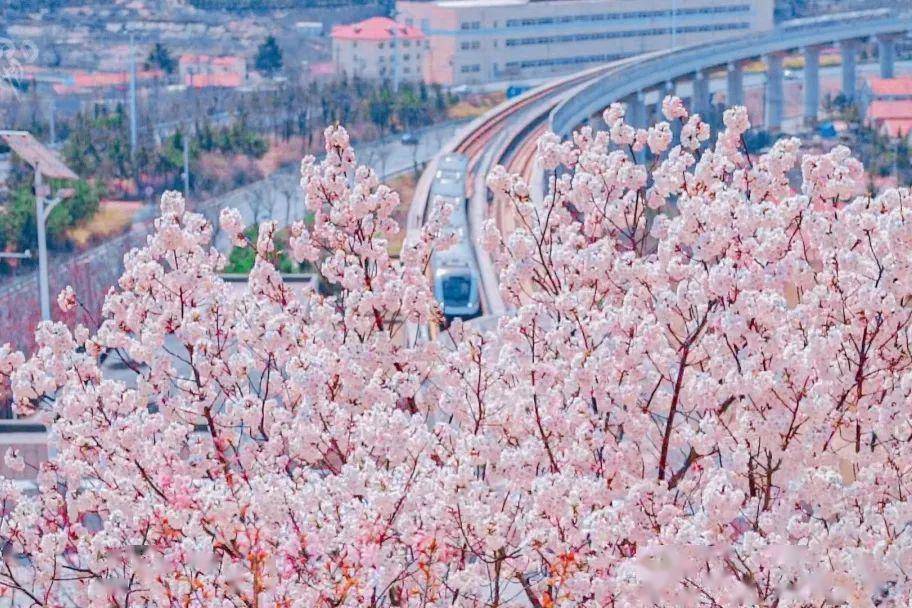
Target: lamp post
column 43, row 208
column 45, row 164
column 186, row 173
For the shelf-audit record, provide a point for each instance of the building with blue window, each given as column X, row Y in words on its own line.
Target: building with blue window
column 471, row 42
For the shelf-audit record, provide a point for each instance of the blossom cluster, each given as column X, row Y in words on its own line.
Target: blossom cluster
column 699, row 398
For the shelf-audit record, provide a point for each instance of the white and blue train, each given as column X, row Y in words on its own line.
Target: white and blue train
column 455, row 270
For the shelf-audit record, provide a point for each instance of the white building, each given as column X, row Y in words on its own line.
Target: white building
column 479, row 41
column 378, row 49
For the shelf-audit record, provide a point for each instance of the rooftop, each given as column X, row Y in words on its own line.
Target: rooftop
column 884, row 109
column 892, row 87
column 376, row 29
column 217, row 60
column 479, row 3
column 897, row 127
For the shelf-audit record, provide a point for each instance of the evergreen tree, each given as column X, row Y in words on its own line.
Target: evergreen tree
column 159, row 57
column 269, row 57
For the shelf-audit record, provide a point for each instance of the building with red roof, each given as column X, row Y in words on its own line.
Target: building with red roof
column 200, row 71
column 899, row 87
column 378, row 49
column 887, row 105
column 65, row 82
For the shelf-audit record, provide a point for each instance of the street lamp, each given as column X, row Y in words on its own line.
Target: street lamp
column 45, row 164
column 43, row 208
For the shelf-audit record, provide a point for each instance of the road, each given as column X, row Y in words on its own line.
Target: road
column 279, row 196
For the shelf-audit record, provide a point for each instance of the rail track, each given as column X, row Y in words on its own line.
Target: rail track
column 507, row 133
column 504, row 135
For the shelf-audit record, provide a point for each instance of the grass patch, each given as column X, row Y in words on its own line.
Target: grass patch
column 404, row 184
column 475, row 105
column 111, row 219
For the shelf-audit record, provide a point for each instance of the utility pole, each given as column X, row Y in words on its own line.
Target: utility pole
column 53, row 116
column 186, row 139
column 132, row 100
column 395, row 51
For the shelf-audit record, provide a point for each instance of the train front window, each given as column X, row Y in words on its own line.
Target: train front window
column 456, row 291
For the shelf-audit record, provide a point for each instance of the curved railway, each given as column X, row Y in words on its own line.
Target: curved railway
column 504, row 135
column 508, row 133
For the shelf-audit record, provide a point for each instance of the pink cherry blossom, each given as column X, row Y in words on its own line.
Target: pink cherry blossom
column 13, row 459
column 673, row 108
column 232, row 223
column 699, row 397
column 66, row 299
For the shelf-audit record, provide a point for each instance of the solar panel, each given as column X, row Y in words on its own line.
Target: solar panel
column 37, row 155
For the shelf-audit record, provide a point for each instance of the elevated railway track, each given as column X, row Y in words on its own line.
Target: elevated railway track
column 508, row 133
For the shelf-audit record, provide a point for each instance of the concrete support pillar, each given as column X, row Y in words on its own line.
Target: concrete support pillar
column 636, row 110
column 848, row 50
column 734, row 93
column 773, row 91
column 886, row 53
column 636, row 117
column 699, row 103
column 595, row 122
column 811, row 84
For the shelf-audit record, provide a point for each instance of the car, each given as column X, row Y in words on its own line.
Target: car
column 409, row 139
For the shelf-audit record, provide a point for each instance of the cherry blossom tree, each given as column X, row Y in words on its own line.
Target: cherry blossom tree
column 699, row 398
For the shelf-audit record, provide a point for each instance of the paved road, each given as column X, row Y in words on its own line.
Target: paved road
column 279, row 197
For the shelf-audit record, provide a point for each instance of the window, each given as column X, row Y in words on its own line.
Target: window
column 381, row 45
column 537, row 63
column 470, row 25
column 656, row 31
column 702, row 10
column 465, row 45
column 470, row 69
column 456, row 291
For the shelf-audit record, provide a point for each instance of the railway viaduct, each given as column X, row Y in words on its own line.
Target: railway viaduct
column 506, row 134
